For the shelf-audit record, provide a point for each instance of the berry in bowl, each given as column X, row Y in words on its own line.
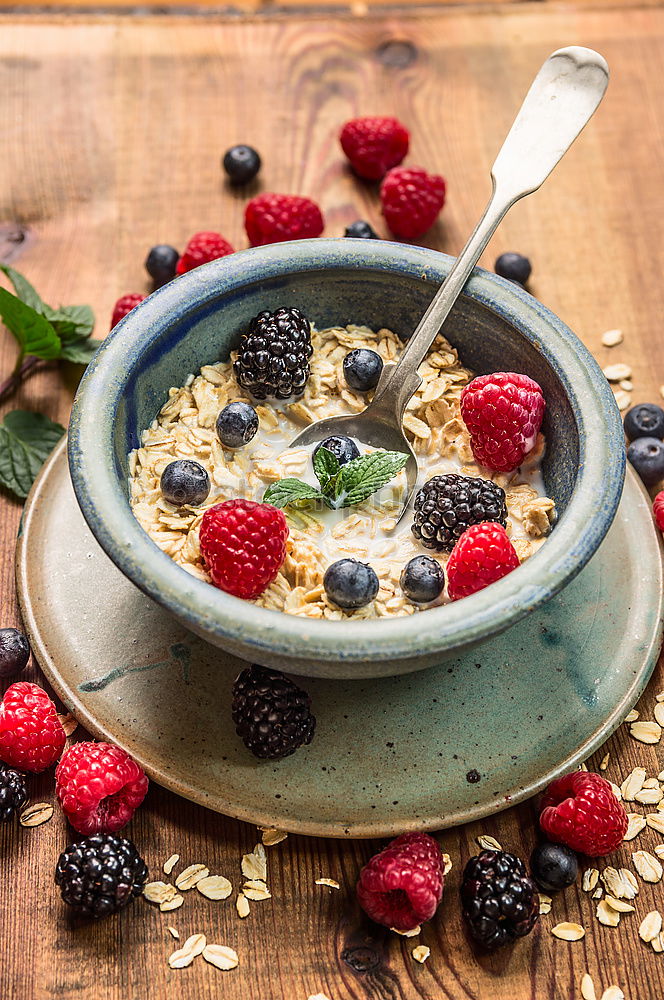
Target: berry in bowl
column 181, row 459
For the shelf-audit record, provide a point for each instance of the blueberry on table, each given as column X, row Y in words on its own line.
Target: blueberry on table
column 644, row 420
column 360, row 230
column 343, row 448
column 362, row 369
column 350, row 584
column 185, row 482
column 514, row 267
column 237, row 424
column 161, row 262
column 646, row 454
column 241, row 163
column 14, row 652
column 554, row 866
column 422, row 579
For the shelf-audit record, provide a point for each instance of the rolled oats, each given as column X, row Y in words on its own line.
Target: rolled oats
column 170, row 863
column 656, row 821
column 589, row 879
column 612, row 338
column 568, row 931
column 648, row 866
column 214, row 887
column 636, row 823
column 488, row 843
column 633, row 784
column 607, row 915
column 159, row 892
column 174, row 933
column 544, row 903
column 242, row 906
column 329, row 882
column 619, row 905
column 604, row 763
column 254, row 865
column 613, row 993
column 588, row 987
column 36, row 814
column 190, row 876
column 421, row 953
column 646, row 732
column 651, row 926
column 185, row 955
column 631, row 716
column 171, row 904
column 659, row 713
column 617, row 372
column 220, row 956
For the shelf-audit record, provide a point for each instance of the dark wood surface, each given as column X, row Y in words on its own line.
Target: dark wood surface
column 112, row 133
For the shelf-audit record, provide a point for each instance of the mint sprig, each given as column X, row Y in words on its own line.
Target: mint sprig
column 340, row 485
column 26, row 440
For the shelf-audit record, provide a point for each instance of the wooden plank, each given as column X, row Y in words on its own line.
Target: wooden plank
column 116, row 130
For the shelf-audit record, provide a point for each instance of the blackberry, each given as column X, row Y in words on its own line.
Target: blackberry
column 446, row 505
column 360, row 230
column 271, row 714
column 343, row 448
column 14, row 652
column 500, row 903
column 100, row 874
column 241, row 163
column 273, row 357
column 554, row 866
column 514, row 267
column 13, row 792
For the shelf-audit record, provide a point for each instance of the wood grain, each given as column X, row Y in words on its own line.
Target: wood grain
column 116, row 127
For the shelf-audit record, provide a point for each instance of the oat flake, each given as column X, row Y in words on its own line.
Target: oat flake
column 604, row 763
column 185, row 955
column 172, row 904
column 588, row 987
column 254, row 865
column 619, row 905
column 659, row 713
column 256, row 890
column 617, row 372
column 68, row 723
column 214, row 887
column 646, row 732
column 590, row 879
column 568, row 931
column 611, row 339
column 174, row 933
column 488, row 843
column 655, row 821
column 648, row 866
column 657, row 943
column 37, row 814
column 330, row 882
column 242, row 906
column 613, row 993
column 631, row 716
column 607, row 915
column 271, row 836
column 190, row 876
column 221, row 957
column 159, row 892
column 636, row 823
column 544, row 903
column 413, row 932
column 651, row 926
column 170, row 863
column 633, row 784
column 421, row 953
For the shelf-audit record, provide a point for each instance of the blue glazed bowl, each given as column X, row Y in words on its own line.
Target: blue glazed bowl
column 197, row 318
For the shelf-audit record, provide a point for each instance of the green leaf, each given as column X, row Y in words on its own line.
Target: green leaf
column 26, row 440
column 366, row 474
column 287, row 491
column 24, row 289
column 80, row 351
column 33, row 332
column 326, row 466
column 72, row 322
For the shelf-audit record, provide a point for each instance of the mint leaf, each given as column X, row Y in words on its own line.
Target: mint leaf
column 71, row 322
column 26, row 440
column 326, row 466
column 24, row 289
column 287, row 491
column 366, row 474
column 80, row 351
column 33, row 332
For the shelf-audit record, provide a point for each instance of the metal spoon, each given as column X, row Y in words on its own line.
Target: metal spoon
column 563, row 97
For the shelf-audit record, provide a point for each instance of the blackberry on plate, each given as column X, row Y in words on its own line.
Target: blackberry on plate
column 273, row 356
column 272, row 715
column 237, row 424
column 13, row 792
column 343, row 448
column 644, row 420
column 422, row 579
column 646, row 454
column 360, row 230
column 185, row 482
column 514, row 267
column 100, row 874
column 14, row 652
column 446, row 505
column 500, row 903
column 161, row 262
column 554, row 866
column 362, row 369
column 241, row 163
column 350, row 584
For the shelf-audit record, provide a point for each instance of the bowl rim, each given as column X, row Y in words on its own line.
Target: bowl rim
column 226, row 619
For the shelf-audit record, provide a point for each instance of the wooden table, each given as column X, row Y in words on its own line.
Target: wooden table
column 112, row 133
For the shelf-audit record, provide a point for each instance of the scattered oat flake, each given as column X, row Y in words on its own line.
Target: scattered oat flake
column 221, row 957
column 597, row 894
column 619, row 905
column 649, row 796
column 646, row 732
column 588, row 987
column 330, row 882
column 254, row 866
column 37, row 814
column 604, row 763
column 659, row 850
column 633, row 784
column 657, row 944
column 607, row 915
column 544, row 903
column 159, row 892
column 635, row 824
column 185, row 955
column 655, row 821
column 590, row 879
column 648, row 866
column 413, row 932
column 170, row 863
column 489, row 843
column 617, row 372
column 271, row 836
column 447, row 864
column 613, row 993
column 651, row 926
column 68, row 723
column 611, row 339
column 616, row 791
column 256, row 890
column 659, row 713
column 214, row 887
column 421, row 953
column 172, row 904
column 622, row 398
column 631, row 716
column 568, row 932
column 190, row 876
column 174, row 933
column 317, row 996
column 242, row 906
column 660, row 697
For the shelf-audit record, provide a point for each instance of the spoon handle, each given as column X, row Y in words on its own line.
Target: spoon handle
column 561, row 100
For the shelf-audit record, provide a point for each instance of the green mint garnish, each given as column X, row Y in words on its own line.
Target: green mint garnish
column 291, row 491
column 26, row 440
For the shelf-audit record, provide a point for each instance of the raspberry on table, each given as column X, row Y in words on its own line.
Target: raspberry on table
column 243, row 544
column 13, row 793
column 100, row 874
column 374, row 144
column 500, row 902
column 581, row 811
column 447, row 505
column 124, row 305
column 273, row 355
column 411, row 200
column 31, row 734
column 503, row 413
column 202, row 248
column 658, row 510
column 402, row 886
column 272, row 715
column 483, row 555
column 99, row 787
column 274, row 218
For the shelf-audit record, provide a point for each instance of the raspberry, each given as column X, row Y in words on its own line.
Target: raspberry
column 581, row 811
column 411, row 200
column 31, row 734
column 658, row 510
column 124, row 305
column 482, row 555
column 273, row 218
column 403, row 885
column 503, row 413
column 373, row 145
column 244, row 545
column 99, row 787
column 201, row 248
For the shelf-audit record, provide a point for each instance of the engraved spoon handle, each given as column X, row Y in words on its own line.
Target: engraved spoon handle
column 561, row 100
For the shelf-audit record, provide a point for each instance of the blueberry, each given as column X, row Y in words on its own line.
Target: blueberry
column 185, row 482
column 14, row 652
column 361, row 230
column 237, row 424
column 422, row 579
column 554, row 866
column 644, row 420
column 362, row 369
column 514, row 267
column 647, row 456
column 241, row 163
column 343, row 448
column 350, row 584
column 160, row 263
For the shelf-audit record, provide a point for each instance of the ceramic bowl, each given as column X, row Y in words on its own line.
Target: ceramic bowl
column 496, row 325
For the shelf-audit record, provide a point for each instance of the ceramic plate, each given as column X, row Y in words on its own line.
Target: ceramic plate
column 422, row 751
